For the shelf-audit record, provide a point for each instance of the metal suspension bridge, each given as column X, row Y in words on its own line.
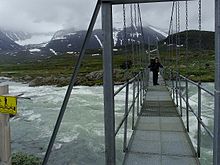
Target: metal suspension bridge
column 159, row 114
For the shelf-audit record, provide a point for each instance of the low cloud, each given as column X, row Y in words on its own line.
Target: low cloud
column 53, row 15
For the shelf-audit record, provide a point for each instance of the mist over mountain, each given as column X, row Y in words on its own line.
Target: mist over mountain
column 70, row 40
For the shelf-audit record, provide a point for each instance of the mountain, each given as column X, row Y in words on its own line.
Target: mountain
column 70, row 40
column 7, row 44
column 17, row 35
column 195, row 37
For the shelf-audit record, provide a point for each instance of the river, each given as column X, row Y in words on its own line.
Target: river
column 80, row 140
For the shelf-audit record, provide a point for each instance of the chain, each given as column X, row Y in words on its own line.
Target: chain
column 178, row 36
column 132, row 33
column 200, row 33
column 125, row 34
column 186, row 41
column 135, row 15
column 200, row 15
column 187, row 20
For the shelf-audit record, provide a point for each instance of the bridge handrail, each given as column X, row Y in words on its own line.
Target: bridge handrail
column 137, row 82
column 175, row 87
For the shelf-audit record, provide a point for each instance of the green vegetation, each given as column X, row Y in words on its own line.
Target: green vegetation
column 25, row 159
column 57, row 70
column 198, row 64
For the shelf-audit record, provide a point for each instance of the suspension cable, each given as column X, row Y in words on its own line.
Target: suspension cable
column 142, row 33
column 186, row 40
column 125, row 36
column 170, row 44
column 136, row 29
column 200, row 35
column 132, row 33
column 178, row 36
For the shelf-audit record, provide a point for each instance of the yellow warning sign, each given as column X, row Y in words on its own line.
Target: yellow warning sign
column 8, row 105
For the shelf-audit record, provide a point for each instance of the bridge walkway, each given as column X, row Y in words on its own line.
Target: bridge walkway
column 159, row 137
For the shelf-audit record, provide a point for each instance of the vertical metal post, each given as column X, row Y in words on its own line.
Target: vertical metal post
column 216, row 156
column 180, row 96
column 109, row 116
column 141, row 87
column 126, row 117
column 5, row 138
column 199, row 118
column 177, row 104
column 134, row 100
column 187, row 106
column 173, row 89
column 138, row 94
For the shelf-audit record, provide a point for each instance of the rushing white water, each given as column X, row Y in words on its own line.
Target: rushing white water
column 207, row 114
column 81, row 136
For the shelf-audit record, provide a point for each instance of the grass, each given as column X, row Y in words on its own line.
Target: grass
column 197, row 65
column 62, row 66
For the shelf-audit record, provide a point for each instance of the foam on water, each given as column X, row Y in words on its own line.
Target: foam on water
column 82, row 129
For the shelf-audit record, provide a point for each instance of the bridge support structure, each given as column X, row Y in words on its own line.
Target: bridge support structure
column 216, row 145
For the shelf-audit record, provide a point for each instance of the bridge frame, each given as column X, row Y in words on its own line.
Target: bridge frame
column 108, row 79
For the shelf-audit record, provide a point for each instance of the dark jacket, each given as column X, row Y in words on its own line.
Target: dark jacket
column 154, row 67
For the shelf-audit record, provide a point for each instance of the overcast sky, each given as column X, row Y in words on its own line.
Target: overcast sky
column 53, row 15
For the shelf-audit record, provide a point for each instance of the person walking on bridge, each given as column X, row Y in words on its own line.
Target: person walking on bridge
column 154, row 67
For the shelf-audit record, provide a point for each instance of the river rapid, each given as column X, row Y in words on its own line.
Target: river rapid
column 80, row 140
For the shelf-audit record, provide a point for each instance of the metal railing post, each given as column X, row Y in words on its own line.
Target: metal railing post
column 138, row 94
column 180, row 96
column 173, row 89
column 126, row 117
column 141, row 88
column 187, row 106
column 199, row 119
column 177, row 102
column 109, row 116
column 133, row 102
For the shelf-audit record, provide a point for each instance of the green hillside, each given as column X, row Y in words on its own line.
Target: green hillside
column 198, row 63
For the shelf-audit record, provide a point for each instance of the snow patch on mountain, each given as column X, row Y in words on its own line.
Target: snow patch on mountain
column 34, row 50
column 100, row 43
column 159, row 31
column 53, row 51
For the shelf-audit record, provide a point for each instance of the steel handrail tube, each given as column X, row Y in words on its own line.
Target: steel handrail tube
column 126, row 119
column 138, row 99
column 173, row 90
column 199, row 118
column 124, row 85
column 133, row 104
column 187, row 106
column 133, row 109
column 180, row 96
column 194, row 83
column 122, row 121
column 177, row 102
